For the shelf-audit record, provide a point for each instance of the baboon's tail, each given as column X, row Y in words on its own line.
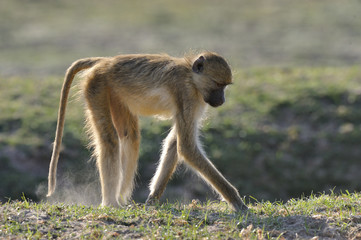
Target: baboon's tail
column 76, row 67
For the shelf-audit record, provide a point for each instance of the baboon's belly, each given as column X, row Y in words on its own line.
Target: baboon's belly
column 156, row 102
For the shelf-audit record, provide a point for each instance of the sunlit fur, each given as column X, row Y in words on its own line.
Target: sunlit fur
column 119, row 89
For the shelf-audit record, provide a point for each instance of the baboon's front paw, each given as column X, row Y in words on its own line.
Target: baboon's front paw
column 239, row 207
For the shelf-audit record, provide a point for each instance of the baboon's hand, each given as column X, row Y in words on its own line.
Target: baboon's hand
column 239, row 206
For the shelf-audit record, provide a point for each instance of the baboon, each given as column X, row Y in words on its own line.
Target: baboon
column 119, row 89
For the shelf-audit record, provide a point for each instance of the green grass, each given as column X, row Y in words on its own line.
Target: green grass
column 323, row 215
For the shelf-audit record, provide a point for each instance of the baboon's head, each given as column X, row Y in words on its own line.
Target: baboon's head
column 213, row 75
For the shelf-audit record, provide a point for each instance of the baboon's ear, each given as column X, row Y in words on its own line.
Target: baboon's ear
column 198, row 65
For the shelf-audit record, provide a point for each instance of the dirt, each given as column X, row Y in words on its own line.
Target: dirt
column 41, row 224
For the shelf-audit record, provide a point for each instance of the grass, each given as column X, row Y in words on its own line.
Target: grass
column 319, row 215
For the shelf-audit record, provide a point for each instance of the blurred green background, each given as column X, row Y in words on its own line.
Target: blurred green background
column 291, row 125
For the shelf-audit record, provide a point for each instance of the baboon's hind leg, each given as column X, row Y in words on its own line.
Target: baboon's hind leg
column 106, row 147
column 129, row 148
column 126, row 125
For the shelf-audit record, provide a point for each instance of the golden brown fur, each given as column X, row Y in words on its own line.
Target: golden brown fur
column 119, row 89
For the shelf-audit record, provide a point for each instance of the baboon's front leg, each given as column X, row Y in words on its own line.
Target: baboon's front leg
column 166, row 167
column 189, row 148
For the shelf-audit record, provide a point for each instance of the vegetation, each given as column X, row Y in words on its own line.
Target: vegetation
column 324, row 215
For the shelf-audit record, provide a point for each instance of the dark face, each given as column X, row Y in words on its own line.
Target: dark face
column 216, row 97
column 217, row 73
